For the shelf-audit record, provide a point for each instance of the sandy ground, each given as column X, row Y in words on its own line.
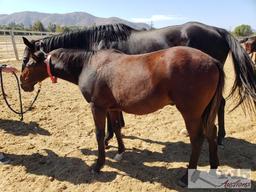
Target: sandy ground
column 55, row 145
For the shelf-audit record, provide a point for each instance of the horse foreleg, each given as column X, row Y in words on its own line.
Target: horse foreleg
column 99, row 116
column 221, row 131
column 196, row 136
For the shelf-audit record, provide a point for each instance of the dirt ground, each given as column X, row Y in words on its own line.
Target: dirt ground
column 55, row 145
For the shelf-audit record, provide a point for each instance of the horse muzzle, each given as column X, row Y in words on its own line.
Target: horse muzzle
column 27, row 88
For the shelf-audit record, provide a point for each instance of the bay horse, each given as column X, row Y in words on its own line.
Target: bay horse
column 250, row 46
column 140, row 84
column 212, row 40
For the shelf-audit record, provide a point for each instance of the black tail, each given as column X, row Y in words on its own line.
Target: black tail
column 212, row 108
column 245, row 82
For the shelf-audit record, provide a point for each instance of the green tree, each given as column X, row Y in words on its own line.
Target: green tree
column 14, row 26
column 66, row 29
column 59, row 29
column 243, row 30
column 38, row 26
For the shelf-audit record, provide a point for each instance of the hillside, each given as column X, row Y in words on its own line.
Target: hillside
column 69, row 19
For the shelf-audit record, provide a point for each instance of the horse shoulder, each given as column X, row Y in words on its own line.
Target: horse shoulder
column 95, row 74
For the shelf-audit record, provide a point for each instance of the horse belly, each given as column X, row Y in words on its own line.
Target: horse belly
column 148, row 105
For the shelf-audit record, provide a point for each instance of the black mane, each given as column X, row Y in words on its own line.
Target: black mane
column 87, row 39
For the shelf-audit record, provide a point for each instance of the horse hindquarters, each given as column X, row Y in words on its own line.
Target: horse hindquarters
column 211, row 110
column 208, row 119
column 204, row 125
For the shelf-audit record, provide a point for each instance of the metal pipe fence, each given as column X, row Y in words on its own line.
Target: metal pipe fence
column 11, row 44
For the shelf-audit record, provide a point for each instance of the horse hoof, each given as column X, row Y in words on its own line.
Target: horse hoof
column 118, row 157
column 94, row 169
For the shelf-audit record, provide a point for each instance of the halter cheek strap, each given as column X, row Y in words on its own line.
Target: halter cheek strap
column 48, row 66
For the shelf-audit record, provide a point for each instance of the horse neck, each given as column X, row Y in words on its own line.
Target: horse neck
column 88, row 39
column 66, row 40
column 68, row 64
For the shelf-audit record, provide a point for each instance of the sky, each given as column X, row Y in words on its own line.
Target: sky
column 222, row 13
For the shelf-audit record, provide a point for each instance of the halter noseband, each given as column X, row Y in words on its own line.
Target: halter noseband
column 47, row 61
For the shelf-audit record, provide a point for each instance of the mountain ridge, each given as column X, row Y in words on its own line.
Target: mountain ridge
column 27, row 18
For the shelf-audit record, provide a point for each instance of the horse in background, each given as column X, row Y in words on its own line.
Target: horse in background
column 140, row 84
column 250, row 47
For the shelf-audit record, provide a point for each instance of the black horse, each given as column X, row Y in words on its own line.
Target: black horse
column 214, row 41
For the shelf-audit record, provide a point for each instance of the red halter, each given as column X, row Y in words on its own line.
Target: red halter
column 47, row 62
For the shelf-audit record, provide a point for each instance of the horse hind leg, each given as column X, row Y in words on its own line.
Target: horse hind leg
column 195, row 130
column 213, row 149
column 221, row 131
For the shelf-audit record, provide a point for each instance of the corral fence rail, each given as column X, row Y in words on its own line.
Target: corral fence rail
column 11, row 44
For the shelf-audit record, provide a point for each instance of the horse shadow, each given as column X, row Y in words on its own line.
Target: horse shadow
column 71, row 169
column 136, row 161
column 19, row 128
column 180, row 152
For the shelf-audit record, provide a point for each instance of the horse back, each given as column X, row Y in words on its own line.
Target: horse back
column 173, row 76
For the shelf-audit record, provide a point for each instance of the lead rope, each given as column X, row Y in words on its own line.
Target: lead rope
column 21, row 112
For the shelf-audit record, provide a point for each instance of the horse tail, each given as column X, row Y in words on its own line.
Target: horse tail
column 245, row 74
column 210, row 113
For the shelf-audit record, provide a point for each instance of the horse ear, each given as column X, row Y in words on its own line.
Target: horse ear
column 41, row 45
column 28, row 43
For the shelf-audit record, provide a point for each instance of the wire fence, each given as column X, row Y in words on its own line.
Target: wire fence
column 11, row 44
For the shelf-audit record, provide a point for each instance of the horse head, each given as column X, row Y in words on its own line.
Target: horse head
column 34, row 70
column 31, row 47
column 250, row 45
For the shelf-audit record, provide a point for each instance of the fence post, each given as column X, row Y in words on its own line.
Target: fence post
column 14, row 45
